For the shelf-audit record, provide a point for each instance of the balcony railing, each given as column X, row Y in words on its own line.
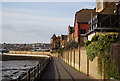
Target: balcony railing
column 107, row 21
column 35, row 73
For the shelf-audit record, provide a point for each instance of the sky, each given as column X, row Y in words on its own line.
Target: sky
column 36, row 22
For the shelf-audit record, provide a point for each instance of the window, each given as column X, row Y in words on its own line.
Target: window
column 82, row 31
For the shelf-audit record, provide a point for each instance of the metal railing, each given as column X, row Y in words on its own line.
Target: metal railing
column 35, row 73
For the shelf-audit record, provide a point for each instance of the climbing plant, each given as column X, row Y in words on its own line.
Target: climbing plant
column 100, row 46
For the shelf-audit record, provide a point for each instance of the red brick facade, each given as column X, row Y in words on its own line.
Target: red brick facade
column 81, row 24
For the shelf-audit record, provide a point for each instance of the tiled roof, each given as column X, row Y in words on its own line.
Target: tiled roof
column 83, row 15
column 111, row 7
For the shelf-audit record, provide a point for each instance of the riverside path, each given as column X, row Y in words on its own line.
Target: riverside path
column 58, row 70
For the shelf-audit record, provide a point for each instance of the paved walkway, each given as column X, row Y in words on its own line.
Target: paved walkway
column 60, row 71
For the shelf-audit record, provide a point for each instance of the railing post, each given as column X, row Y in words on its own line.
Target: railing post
column 29, row 75
column 38, row 72
column 19, row 78
column 40, row 66
column 34, row 72
column 46, row 62
column 43, row 65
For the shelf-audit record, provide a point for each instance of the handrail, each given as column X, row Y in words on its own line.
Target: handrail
column 35, row 73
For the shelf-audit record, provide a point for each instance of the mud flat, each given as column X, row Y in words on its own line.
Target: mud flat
column 13, row 66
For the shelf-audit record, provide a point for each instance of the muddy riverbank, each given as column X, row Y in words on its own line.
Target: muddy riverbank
column 13, row 66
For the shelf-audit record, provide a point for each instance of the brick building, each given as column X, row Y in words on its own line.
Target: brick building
column 70, row 33
column 63, row 40
column 55, row 42
column 104, row 19
column 81, row 24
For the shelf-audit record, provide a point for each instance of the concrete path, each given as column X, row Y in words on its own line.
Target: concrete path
column 58, row 70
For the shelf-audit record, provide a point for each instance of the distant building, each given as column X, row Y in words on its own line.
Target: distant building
column 55, row 42
column 82, row 18
column 70, row 33
column 24, row 47
column 63, row 40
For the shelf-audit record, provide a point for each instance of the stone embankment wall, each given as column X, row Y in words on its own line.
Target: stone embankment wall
column 77, row 58
column 30, row 52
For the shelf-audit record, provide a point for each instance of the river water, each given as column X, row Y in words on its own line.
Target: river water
column 13, row 66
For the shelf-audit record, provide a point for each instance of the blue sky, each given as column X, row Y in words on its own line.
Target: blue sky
column 28, row 22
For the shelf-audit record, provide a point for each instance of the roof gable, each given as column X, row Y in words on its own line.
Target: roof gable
column 53, row 37
column 84, row 15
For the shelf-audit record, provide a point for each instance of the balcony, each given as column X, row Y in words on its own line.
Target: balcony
column 104, row 23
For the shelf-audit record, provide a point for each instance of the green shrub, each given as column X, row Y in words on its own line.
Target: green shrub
column 87, row 42
column 100, row 46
